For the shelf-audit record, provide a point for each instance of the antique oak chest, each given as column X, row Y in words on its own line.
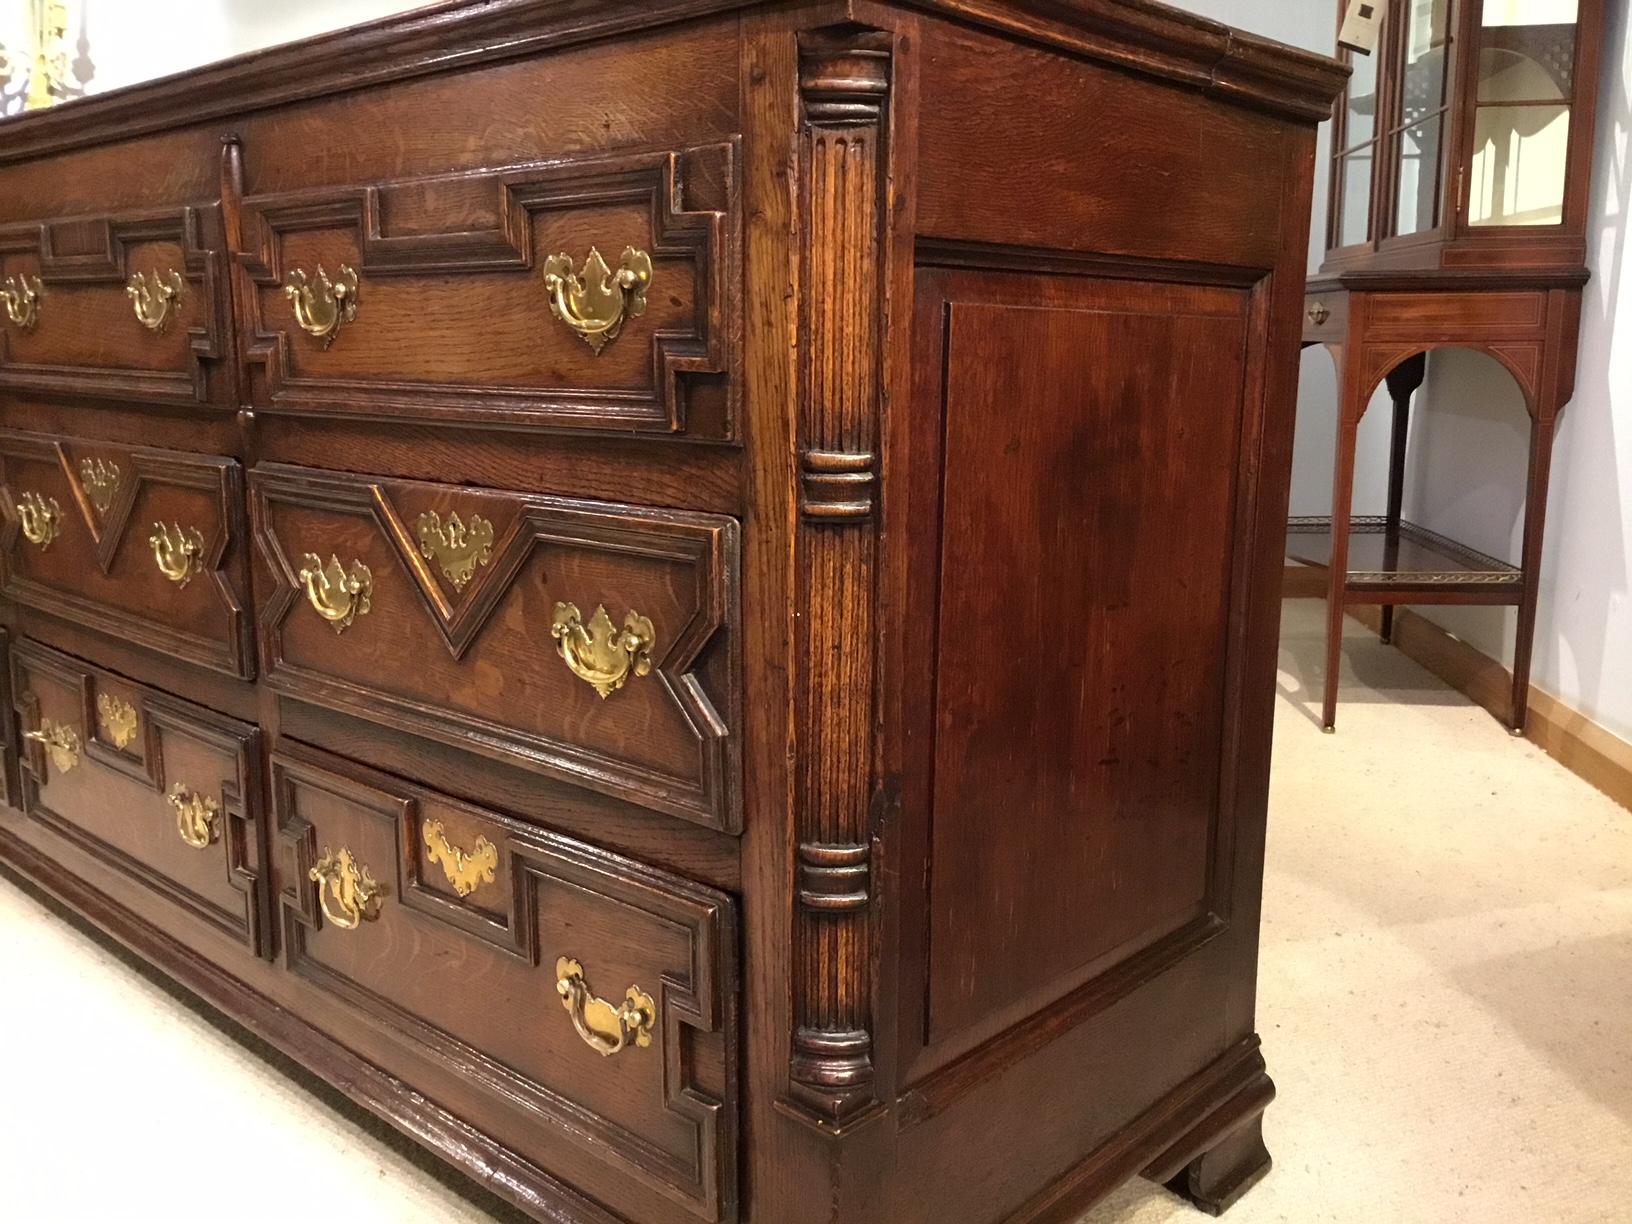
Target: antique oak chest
column 680, row 596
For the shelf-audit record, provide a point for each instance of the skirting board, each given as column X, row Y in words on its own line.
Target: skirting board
column 1582, row 746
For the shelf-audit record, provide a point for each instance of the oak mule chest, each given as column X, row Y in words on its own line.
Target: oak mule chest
column 681, row 597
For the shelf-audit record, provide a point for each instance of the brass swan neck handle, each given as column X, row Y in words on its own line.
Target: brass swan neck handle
column 595, row 302
column 152, row 298
column 599, row 654
column 21, row 297
column 605, row 1029
column 323, row 306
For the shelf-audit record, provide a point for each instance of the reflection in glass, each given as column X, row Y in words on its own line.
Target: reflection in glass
column 1522, row 122
column 1422, row 89
column 1354, row 220
column 1418, row 199
column 1361, row 124
column 1519, row 155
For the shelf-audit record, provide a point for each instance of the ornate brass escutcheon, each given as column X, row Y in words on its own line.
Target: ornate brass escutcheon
column 348, row 891
column 21, row 296
column 178, row 550
column 116, row 718
column 466, row 870
column 599, row 655
column 604, row 1028
column 337, row 596
column 60, row 741
column 596, row 302
column 100, row 480
column 456, row 546
column 41, row 518
column 153, row 296
column 198, row 817
column 321, row 305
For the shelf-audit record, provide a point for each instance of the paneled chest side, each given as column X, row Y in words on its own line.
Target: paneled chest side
column 683, row 601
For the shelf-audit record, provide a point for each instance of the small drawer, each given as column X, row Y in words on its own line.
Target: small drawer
column 126, row 306
column 138, row 543
column 163, row 792
column 594, row 642
column 583, row 293
column 586, row 1002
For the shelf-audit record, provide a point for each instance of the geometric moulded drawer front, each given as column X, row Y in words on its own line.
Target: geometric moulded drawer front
column 142, row 544
column 590, row 293
column 127, row 306
column 594, row 642
column 163, row 792
column 586, row 1002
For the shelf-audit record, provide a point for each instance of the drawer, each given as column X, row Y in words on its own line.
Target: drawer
column 127, row 306
column 140, row 543
column 583, row 293
column 594, row 642
column 585, row 1002
column 163, row 792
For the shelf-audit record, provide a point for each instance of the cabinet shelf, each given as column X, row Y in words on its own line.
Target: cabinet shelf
column 1408, row 560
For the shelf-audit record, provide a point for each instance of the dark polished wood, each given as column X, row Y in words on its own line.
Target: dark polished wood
column 950, row 505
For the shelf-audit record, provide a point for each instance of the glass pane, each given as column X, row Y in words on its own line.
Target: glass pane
column 1418, row 200
column 1519, row 158
column 1361, row 124
column 1354, row 221
column 1427, row 33
column 1527, row 51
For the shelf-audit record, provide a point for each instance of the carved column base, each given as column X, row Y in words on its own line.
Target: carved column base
column 831, row 1074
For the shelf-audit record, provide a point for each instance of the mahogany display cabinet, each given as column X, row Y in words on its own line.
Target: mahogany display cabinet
column 1462, row 159
column 680, row 597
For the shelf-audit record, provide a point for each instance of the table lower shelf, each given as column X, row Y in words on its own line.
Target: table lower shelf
column 1412, row 561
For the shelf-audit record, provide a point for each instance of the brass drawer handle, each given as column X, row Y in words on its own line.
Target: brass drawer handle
column 322, row 306
column 21, row 295
column 456, row 546
column 116, row 718
column 60, row 741
column 601, row 656
column 197, row 816
column 595, row 303
column 152, row 298
column 100, row 480
column 337, row 596
column 466, row 870
column 41, row 518
column 604, row 1028
column 178, row 551
column 1319, row 313
column 348, row 891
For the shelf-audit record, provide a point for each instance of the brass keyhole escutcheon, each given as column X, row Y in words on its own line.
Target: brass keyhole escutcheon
column 100, row 479
column 605, row 1029
column 458, row 547
column 467, row 870
column 595, row 302
column 347, row 891
column 116, row 718
column 152, row 297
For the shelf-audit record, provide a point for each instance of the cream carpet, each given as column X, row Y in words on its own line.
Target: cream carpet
column 1446, row 1005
